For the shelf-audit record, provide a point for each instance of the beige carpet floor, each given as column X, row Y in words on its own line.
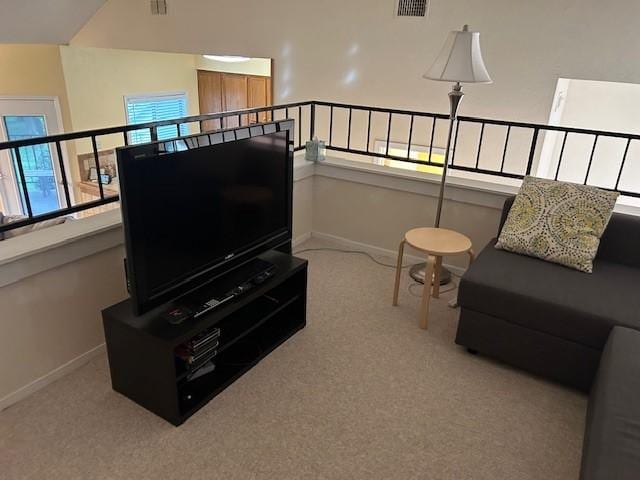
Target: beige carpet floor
column 362, row 392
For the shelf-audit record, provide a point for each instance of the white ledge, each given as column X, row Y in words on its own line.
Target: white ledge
column 35, row 252
column 459, row 187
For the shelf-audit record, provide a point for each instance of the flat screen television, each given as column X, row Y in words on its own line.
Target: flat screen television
column 192, row 212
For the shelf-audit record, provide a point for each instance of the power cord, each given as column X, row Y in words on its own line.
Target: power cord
column 358, row 252
column 387, row 265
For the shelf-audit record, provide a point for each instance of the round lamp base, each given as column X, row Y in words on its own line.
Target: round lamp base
column 417, row 273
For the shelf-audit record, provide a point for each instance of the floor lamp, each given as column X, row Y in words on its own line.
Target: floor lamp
column 459, row 61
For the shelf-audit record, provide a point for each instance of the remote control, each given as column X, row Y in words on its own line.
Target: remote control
column 210, row 305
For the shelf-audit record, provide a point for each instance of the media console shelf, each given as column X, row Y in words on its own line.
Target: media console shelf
column 142, row 349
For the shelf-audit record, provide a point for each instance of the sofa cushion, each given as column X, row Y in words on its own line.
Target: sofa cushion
column 558, row 222
column 611, row 447
column 553, row 299
column 619, row 242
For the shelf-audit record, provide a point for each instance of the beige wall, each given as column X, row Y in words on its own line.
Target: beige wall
column 379, row 216
column 91, row 83
column 54, row 317
column 302, row 208
column 98, row 79
column 357, row 52
column 34, row 70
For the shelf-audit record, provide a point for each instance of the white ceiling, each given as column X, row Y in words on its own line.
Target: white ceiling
column 44, row 21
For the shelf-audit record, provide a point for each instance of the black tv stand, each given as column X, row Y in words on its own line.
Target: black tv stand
column 238, row 281
column 142, row 350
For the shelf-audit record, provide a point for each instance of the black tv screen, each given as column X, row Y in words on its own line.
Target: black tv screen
column 187, row 213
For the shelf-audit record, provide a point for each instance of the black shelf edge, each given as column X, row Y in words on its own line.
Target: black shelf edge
column 207, row 398
column 259, row 323
column 141, row 349
column 246, row 332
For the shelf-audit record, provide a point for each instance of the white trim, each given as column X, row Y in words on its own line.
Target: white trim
column 545, row 167
column 301, row 239
column 48, row 378
column 36, row 252
column 54, row 154
column 302, row 168
column 459, row 189
column 148, row 95
column 372, row 249
column 35, row 98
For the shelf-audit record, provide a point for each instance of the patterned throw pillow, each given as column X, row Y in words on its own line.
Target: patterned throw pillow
column 558, row 222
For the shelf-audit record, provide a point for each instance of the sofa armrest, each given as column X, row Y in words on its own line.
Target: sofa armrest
column 505, row 211
column 620, row 242
column 612, row 432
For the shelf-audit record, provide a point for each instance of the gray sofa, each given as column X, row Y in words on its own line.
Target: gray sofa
column 611, row 447
column 546, row 318
column 555, row 322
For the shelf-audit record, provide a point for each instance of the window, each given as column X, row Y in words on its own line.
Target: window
column 154, row 108
column 418, row 152
column 596, row 105
column 22, row 118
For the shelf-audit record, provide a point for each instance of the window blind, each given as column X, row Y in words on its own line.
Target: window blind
column 154, row 108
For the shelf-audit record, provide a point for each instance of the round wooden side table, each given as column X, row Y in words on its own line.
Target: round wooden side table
column 436, row 243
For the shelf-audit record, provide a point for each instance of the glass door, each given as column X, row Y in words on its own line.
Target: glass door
column 23, row 119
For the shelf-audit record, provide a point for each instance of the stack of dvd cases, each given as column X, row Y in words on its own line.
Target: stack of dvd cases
column 198, row 351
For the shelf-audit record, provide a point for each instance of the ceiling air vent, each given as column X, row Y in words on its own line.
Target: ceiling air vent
column 412, row 8
column 158, row 7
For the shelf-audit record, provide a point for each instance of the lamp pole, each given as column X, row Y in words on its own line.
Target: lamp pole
column 455, row 97
column 459, row 61
column 417, row 272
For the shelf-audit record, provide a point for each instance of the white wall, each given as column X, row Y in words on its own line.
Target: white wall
column 357, row 52
column 318, row 46
column 378, row 216
column 52, row 320
column 608, row 106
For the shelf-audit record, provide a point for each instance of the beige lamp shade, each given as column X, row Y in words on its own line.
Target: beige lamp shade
column 460, row 59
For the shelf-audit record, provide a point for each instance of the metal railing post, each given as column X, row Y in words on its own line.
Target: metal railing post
column 63, row 174
column 532, row 150
column 268, row 113
column 23, row 181
column 312, row 122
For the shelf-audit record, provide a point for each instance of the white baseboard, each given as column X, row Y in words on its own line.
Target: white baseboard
column 301, row 239
column 372, row 249
column 52, row 376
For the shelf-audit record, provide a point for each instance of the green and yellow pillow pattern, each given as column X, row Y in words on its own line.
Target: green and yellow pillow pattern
column 558, row 222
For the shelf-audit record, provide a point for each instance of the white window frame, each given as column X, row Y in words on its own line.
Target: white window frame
column 11, row 201
column 153, row 96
